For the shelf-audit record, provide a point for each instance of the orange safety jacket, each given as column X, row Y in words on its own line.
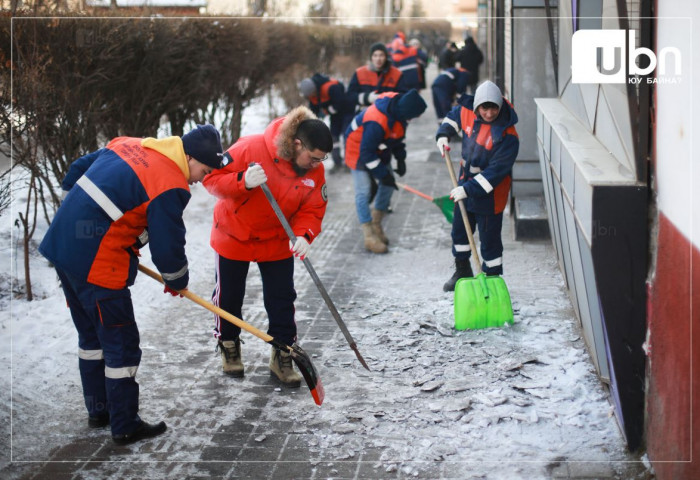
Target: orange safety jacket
column 393, row 135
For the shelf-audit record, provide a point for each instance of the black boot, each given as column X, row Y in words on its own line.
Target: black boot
column 98, row 421
column 463, row 269
column 143, row 431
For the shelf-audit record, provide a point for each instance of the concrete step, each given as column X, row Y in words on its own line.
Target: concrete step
column 530, row 218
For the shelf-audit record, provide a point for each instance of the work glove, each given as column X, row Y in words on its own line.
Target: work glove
column 172, row 292
column 254, row 176
column 300, row 248
column 443, row 144
column 457, row 194
column 400, row 167
column 370, row 97
column 389, row 181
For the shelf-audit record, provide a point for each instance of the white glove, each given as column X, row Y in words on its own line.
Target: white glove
column 300, row 248
column 372, row 97
column 443, row 144
column 254, row 176
column 64, row 193
column 457, row 194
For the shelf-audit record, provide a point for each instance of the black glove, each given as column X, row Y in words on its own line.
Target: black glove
column 389, row 181
column 372, row 188
column 400, row 167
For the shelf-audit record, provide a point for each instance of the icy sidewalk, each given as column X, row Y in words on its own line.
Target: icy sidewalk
column 520, row 402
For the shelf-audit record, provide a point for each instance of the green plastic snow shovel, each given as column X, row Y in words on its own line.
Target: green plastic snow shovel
column 444, row 203
column 482, row 301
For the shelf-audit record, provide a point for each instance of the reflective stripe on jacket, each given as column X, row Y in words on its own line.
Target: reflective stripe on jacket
column 362, row 152
column 489, row 151
column 115, row 194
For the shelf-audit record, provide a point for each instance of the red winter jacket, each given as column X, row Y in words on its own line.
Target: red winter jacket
column 245, row 226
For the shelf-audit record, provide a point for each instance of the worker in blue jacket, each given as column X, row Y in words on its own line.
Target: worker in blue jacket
column 118, row 198
column 327, row 96
column 446, row 86
column 372, row 139
column 489, row 148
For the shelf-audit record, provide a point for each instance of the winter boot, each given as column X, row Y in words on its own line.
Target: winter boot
column 377, row 216
column 281, row 366
column 143, row 431
column 372, row 243
column 231, row 357
column 463, row 269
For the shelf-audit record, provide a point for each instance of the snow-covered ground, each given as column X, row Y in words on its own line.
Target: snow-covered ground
column 512, row 402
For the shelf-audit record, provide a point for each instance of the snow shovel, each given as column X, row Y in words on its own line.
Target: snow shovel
column 444, row 203
column 307, row 263
column 482, row 301
column 300, row 357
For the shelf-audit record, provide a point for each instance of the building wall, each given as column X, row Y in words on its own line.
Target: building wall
column 597, row 208
column 673, row 365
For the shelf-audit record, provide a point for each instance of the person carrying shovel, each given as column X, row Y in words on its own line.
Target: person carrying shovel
column 489, row 148
column 118, row 198
column 287, row 158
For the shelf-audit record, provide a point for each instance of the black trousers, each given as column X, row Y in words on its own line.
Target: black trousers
column 278, row 294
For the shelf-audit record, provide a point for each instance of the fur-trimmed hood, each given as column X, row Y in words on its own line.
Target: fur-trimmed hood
column 279, row 135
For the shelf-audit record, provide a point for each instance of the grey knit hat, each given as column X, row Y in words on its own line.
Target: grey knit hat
column 488, row 92
column 307, row 87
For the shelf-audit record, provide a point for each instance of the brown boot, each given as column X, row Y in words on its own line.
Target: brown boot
column 372, row 243
column 281, row 366
column 231, row 357
column 377, row 216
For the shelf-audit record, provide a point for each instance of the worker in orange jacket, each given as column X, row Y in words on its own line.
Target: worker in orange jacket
column 287, row 157
column 118, row 198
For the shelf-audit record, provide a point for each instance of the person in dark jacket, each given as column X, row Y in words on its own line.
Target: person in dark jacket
column 373, row 137
column 489, row 148
column 448, row 56
column 470, row 57
column 378, row 76
column 118, row 198
column 445, row 87
column 327, row 96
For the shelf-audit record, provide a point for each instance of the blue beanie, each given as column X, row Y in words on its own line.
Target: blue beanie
column 409, row 105
column 204, row 145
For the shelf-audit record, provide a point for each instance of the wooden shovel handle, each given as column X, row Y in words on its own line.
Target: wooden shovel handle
column 465, row 217
column 213, row 308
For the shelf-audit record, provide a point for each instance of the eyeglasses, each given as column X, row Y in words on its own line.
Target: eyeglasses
column 313, row 159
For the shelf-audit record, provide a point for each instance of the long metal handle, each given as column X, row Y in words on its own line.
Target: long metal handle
column 314, row 276
column 463, row 209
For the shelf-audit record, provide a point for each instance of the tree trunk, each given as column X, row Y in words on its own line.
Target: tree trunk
column 28, row 233
column 236, row 120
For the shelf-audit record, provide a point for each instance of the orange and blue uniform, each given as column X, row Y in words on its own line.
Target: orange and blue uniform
column 489, row 151
column 408, row 60
column 373, row 137
column 330, row 99
column 451, row 82
column 115, row 194
column 365, row 81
